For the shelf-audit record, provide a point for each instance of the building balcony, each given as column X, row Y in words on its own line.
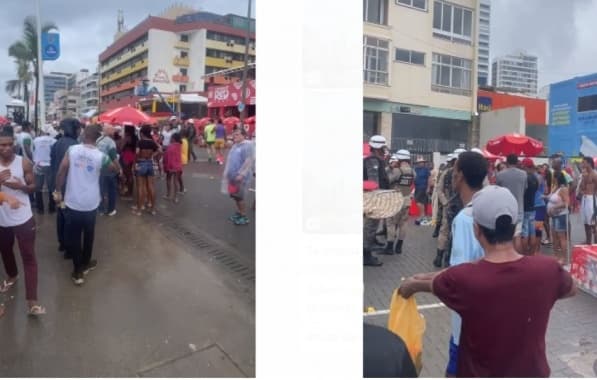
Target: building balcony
column 181, row 61
column 125, row 57
column 121, row 87
column 182, row 45
column 178, row 78
column 222, row 62
column 224, row 46
column 126, row 71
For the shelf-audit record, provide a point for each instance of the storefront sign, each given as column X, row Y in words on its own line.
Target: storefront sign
column 161, row 77
column 230, row 95
column 179, row 78
column 484, row 104
column 592, row 83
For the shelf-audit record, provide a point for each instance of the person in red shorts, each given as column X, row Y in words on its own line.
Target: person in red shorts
column 504, row 313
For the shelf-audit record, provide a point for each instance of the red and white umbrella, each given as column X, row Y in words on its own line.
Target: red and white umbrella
column 128, row 115
column 519, row 145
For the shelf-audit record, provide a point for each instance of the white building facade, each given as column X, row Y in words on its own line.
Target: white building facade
column 419, row 72
column 484, row 42
column 516, row 73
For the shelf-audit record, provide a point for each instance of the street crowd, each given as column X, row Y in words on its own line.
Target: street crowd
column 84, row 168
column 490, row 219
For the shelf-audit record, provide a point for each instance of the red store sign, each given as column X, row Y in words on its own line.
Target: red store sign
column 230, row 95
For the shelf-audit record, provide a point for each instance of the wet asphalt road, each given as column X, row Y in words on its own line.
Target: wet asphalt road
column 155, row 306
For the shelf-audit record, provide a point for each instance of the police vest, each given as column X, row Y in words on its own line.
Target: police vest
column 407, row 177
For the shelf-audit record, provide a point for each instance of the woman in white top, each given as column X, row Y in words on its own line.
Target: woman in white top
column 557, row 208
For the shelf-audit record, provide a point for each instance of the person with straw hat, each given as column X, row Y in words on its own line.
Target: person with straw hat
column 401, row 176
column 374, row 170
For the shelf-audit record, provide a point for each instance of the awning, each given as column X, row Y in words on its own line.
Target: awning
column 184, row 98
column 228, row 71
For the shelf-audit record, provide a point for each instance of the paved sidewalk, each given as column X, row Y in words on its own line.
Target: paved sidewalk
column 572, row 331
column 154, row 307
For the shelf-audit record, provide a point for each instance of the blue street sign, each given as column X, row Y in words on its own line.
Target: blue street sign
column 241, row 107
column 50, row 46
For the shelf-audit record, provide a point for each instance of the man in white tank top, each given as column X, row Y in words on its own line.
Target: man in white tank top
column 83, row 164
column 16, row 179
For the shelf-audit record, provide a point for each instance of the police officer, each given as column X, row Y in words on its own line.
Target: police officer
column 374, row 170
column 451, row 204
column 401, row 176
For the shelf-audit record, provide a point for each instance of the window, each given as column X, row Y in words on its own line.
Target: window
column 376, row 55
column 182, row 88
column 587, row 103
column 452, row 22
column 184, row 54
column 451, row 74
column 420, row 4
column 184, row 38
column 375, row 11
column 410, row 56
column 183, row 72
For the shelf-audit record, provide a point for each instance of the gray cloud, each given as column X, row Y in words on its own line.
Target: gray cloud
column 86, row 27
column 558, row 32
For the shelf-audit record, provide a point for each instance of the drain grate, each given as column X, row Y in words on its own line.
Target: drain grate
column 216, row 252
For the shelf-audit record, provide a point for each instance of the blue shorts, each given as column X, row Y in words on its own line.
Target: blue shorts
column 559, row 223
column 528, row 224
column 453, row 358
column 145, row 168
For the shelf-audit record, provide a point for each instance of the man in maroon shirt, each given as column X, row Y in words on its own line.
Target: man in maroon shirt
column 504, row 299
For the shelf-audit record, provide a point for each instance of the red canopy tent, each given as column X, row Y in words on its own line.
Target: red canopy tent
column 519, row 145
column 126, row 115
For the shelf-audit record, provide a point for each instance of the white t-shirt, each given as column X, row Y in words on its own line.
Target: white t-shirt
column 167, row 134
column 82, row 182
column 8, row 216
column 42, row 146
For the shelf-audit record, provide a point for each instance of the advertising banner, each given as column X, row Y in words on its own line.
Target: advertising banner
column 230, row 95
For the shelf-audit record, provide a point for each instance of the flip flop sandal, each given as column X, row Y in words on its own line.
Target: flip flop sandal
column 6, row 285
column 37, row 310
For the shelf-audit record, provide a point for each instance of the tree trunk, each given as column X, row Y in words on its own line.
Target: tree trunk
column 26, row 96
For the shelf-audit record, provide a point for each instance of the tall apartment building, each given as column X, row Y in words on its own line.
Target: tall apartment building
column 173, row 51
column 420, row 72
column 89, row 94
column 516, row 73
column 484, row 42
column 53, row 82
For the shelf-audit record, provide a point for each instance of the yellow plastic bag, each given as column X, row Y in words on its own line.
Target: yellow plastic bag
column 406, row 322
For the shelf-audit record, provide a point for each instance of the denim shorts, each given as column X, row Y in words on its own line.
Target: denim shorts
column 528, row 224
column 452, row 359
column 559, row 223
column 145, row 168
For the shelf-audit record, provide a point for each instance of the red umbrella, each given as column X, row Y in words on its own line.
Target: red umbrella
column 250, row 120
column 491, row 157
column 128, row 114
column 514, row 144
column 200, row 123
column 4, row 120
column 231, row 120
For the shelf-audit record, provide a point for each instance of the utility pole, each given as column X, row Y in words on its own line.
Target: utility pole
column 245, row 69
column 40, row 65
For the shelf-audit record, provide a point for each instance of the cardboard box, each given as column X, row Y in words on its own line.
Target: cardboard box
column 584, row 267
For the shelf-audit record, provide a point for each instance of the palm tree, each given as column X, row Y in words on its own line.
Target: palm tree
column 26, row 50
column 25, row 76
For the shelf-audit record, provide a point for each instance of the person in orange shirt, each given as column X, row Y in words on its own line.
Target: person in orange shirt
column 184, row 159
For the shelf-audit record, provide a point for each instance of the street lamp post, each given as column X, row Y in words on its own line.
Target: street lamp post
column 40, row 72
column 245, row 68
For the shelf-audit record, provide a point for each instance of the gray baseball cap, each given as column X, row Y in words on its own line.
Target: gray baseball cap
column 491, row 203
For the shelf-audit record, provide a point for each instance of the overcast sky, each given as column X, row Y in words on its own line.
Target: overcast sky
column 86, row 27
column 559, row 32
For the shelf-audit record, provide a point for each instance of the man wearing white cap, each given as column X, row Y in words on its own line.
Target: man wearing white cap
column 401, row 176
column 374, row 170
column 504, row 313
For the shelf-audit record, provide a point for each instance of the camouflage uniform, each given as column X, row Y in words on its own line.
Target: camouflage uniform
column 401, row 179
column 452, row 204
